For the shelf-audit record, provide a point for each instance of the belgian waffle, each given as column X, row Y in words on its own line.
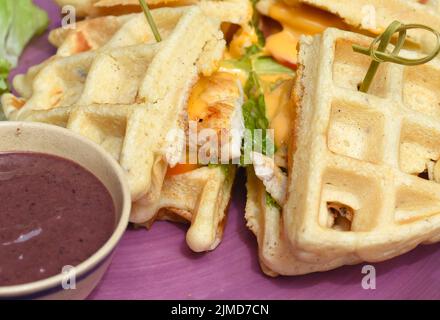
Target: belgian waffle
column 363, row 170
column 111, row 82
column 376, row 15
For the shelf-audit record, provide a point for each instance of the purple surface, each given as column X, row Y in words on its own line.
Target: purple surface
column 157, row 264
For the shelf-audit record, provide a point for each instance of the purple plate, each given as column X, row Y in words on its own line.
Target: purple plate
column 157, row 264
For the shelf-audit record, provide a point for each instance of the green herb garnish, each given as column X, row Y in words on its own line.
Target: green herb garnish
column 254, row 24
column 224, row 167
column 254, row 109
column 271, row 202
column 150, row 20
column 255, row 61
column 19, row 22
column 5, row 67
column 380, row 53
column 267, row 65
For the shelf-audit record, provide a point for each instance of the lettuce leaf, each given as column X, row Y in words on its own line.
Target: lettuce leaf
column 271, row 202
column 224, row 167
column 5, row 67
column 254, row 113
column 255, row 22
column 19, row 22
column 267, row 65
column 254, row 61
column 254, row 109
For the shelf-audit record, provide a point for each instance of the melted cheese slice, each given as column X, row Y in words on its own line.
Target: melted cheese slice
column 296, row 19
column 197, row 104
column 279, row 106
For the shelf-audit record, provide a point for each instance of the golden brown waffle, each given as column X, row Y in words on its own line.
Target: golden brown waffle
column 370, row 17
column 200, row 196
column 119, row 95
column 111, row 82
column 94, row 8
column 355, row 192
column 376, row 15
column 228, row 9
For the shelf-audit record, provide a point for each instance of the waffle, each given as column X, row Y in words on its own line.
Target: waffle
column 363, row 170
column 123, row 84
column 356, row 13
column 200, row 196
column 107, row 83
column 369, row 17
column 95, row 8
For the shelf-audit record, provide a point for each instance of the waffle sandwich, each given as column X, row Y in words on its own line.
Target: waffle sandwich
column 95, row 8
column 111, row 82
column 369, row 17
column 362, row 182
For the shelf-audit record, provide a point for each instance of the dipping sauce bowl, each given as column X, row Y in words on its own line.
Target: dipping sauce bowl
column 79, row 281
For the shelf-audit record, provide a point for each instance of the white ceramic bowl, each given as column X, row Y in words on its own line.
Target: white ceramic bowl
column 43, row 138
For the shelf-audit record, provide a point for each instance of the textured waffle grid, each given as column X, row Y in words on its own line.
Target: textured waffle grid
column 376, row 15
column 110, row 52
column 111, row 95
column 354, row 149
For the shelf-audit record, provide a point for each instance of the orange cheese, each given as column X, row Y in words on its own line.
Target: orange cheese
column 241, row 40
column 182, row 168
column 197, row 106
column 282, row 46
column 296, row 19
column 279, row 106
